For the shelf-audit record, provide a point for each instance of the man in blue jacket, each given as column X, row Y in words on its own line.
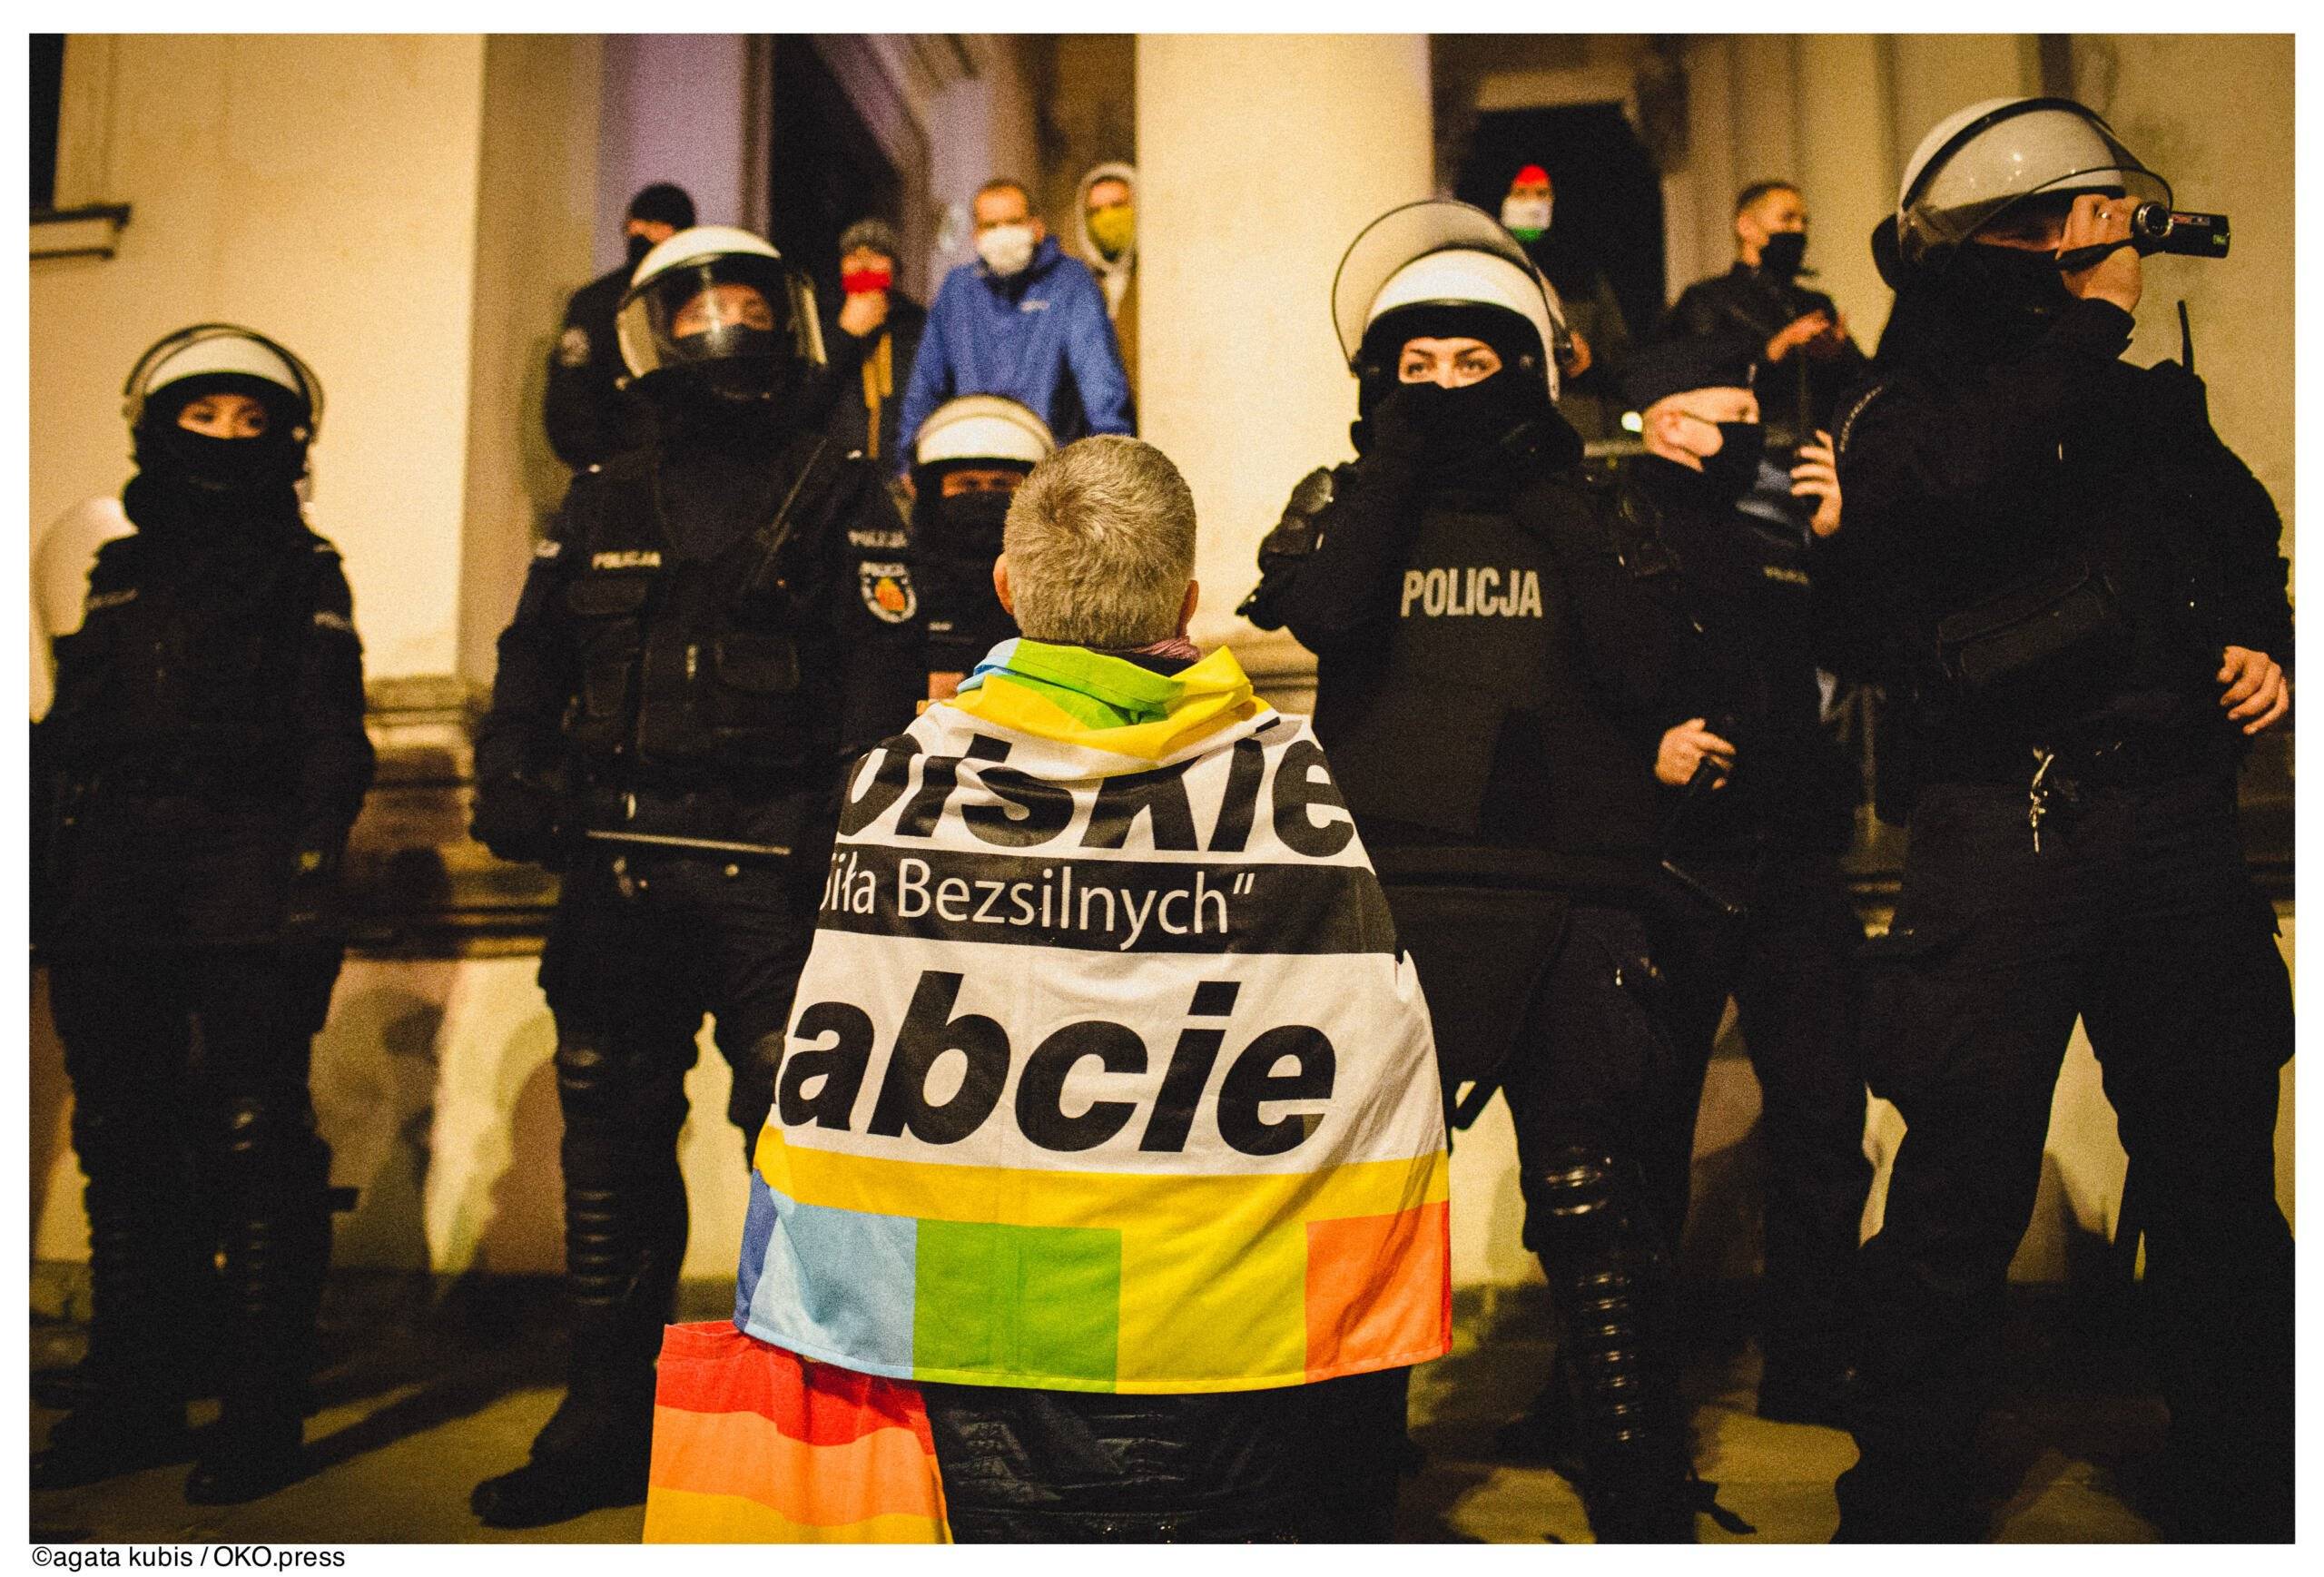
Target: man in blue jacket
column 1025, row 321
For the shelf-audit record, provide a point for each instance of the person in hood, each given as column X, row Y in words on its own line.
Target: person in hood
column 2082, row 591
column 1024, row 322
column 1109, row 207
column 1596, row 343
column 1493, row 685
column 197, row 773
column 972, row 456
column 1159, row 1261
column 713, row 624
column 874, row 336
column 590, row 416
column 1803, row 359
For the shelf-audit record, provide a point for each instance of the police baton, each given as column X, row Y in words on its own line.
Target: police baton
column 704, row 845
column 1698, row 788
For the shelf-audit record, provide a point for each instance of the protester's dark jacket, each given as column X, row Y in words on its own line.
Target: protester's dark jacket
column 1981, row 454
column 1489, row 674
column 207, row 728
column 1755, row 629
column 652, row 655
column 851, row 417
column 589, row 416
column 1751, row 306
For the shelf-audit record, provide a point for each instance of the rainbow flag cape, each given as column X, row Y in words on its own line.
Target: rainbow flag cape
column 750, row 1445
column 1105, row 1073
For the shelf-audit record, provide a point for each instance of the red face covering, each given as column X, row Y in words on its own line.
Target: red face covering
column 866, row 281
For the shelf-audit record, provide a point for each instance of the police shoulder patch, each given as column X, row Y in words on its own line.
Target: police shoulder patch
column 573, row 346
column 886, row 591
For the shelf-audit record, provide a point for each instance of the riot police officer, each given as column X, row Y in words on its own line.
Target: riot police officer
column 589, row 414
column 206, row 747
column 1763, row 804
column 1492, row 685
column 714, row 622
column 2089, row 623
column 970, row 456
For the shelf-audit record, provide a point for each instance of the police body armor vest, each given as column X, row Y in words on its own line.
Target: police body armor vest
column 1476, row 667
column 679, row 685
column 183, row 674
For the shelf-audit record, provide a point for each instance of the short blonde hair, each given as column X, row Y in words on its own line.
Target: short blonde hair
column 1101, row 546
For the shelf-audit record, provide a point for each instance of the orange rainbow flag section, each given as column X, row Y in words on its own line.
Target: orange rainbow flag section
column 752, row 1444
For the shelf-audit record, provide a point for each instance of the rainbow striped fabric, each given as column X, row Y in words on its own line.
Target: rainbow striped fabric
column 750, row 1445
column 1105, row 1073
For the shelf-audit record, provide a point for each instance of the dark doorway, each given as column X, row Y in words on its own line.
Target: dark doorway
column 1609, row 212
column 824, row 169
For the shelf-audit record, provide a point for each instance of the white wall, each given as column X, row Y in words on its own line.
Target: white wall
column 323, row 190
column 675, row 109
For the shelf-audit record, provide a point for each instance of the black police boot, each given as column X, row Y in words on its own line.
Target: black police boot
column 275, row 1242
column 625, row 1236
column 593, row 1453
column 128, row 1404
column 1610, row 1284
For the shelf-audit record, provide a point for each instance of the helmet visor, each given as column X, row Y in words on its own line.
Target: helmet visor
column 1403, row 236
column 726, row 307
column 2035, row 149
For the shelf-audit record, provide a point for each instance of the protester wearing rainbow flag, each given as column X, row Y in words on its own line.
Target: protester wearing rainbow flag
column 1106, row 1179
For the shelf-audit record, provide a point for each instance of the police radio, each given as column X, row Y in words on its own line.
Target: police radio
column 2157, row 227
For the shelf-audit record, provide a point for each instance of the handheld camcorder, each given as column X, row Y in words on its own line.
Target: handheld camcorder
column 2158, row 227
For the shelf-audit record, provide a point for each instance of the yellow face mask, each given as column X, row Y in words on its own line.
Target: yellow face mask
column 1112, row 229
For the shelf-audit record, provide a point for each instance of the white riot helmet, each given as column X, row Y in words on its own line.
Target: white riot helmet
column 1981, row 159
column 1439, row 260
column 689, row 310
column 223, row 359
column 982, row 429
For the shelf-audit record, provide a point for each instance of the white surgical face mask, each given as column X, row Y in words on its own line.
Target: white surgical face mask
column 1526, row 218
column 1007, row 249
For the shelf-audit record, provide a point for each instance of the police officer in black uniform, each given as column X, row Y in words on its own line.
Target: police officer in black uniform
column 1762, row 805
column 1492, row 685
column 206, row 755
column 590, row 416
column 970, row 456
column 2090, row 623
column 713, row 624
column 1802, row 355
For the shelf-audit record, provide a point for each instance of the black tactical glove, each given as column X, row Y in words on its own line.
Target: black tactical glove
column 1397, row 432
column 516, row 818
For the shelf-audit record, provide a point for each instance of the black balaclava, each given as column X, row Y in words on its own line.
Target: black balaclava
column 975, row 519
column 636, row 248
column 189, row 479
column 1468, row 429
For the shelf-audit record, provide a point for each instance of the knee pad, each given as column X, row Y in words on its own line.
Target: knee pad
column 1582, row 1202
column 606, row 1090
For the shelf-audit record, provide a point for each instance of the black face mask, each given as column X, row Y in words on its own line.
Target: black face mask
column 2005, row 283
column 977, row 519
column 636, row 247
column 1782, row 253
column 197, row 462
column 1731, row 471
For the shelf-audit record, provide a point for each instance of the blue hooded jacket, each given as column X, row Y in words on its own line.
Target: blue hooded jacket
column 1042, row 338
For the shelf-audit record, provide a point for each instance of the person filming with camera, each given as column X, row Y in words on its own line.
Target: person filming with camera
column 2083, row 601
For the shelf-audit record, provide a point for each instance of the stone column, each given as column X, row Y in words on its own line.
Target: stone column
column 1847, row 167
column 1260, row 158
